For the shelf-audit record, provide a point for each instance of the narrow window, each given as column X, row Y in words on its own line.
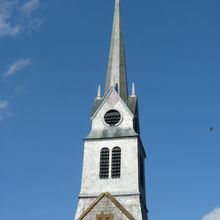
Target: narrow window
column 104, row 163
column 116, row 162
column 141, row 169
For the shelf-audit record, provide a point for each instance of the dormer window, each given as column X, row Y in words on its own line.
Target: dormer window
column 112, row 117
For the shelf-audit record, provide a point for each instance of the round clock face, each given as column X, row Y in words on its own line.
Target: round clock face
column 112, row 117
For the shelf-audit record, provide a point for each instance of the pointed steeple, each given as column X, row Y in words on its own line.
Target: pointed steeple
column 116, row 73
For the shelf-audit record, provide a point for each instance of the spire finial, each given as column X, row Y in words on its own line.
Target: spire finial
column 116, row 73
column 99, row 92
column 133, row 93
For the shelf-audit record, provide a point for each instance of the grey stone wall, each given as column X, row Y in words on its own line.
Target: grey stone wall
column 107, row 207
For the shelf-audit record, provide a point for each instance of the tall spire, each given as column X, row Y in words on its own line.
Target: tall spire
column 116, row 73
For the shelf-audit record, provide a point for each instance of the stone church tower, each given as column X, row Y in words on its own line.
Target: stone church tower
column 113, row 182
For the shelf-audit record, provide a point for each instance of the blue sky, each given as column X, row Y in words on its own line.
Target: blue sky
column 53, row 55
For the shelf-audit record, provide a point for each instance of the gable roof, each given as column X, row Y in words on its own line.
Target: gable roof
column 131, row 102
column 113, row 200
column 102, row 102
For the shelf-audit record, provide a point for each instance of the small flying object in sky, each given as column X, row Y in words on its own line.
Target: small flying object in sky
column 211, row 129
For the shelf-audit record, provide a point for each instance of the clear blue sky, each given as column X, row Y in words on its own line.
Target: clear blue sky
column 53, row 55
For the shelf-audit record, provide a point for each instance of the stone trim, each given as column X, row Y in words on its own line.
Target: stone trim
column 83, row 196
column 113, row 200
column 105, row 138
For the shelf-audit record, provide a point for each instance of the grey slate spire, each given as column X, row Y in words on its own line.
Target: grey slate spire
column 116, row 73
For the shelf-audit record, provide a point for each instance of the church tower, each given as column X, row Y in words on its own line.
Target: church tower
column 113, row 182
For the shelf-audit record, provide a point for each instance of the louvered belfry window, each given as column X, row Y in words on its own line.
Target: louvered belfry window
column 112, row 117
column 116, row 163
column 104, row 163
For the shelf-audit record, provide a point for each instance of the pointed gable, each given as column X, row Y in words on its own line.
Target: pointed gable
column 112, row 98
column 124, row 128
column 107, row 206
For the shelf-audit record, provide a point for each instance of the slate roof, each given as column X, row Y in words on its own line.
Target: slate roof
column 131, row 102
column 116, row 72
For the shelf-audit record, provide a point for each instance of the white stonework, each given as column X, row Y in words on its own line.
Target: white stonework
column 127, row 189
column 112, row 101
column 92, row 185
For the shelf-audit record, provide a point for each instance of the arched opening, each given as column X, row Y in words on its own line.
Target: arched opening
column 116, row 163
column 104, row 163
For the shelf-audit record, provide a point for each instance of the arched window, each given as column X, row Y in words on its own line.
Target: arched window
column 116, row 162
column 104, row 163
